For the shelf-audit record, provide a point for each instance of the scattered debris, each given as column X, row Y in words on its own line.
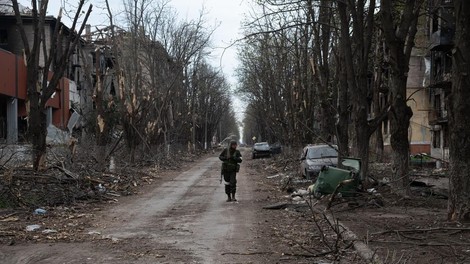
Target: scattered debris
column 9, row 219
column 274, row 176
column 40, row 211
column 64, row 195
column 48, row 231
column 300, row 192
column 33, row 227
column 101, row 188
column 276, row 206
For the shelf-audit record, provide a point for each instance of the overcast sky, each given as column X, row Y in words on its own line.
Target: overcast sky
column 227, row 14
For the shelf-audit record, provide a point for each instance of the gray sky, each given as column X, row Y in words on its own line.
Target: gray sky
column 227, row 14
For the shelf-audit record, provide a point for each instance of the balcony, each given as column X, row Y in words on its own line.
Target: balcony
column 443, row 81
column 442, row 24
column 442, row 39
column 441, row 69
column 436, row 117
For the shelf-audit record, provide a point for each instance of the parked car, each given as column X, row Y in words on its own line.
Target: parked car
column 276, row 148
column 314, row 157
column 261, row 149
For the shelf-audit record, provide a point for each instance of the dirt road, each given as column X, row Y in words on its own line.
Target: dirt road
column 183, row 219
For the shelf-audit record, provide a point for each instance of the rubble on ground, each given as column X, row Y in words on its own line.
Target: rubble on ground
column 56, row 204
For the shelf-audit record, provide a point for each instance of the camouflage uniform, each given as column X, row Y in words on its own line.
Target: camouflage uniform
column 230, row 157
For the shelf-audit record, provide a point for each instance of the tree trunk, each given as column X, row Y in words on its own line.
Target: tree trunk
column 192, row 147
column 321, row 44
column 399, row 33
column 399, row 116
column 361, row 137
column 399, row 122
column 378, row 108
column 37, row 127
column 131, row 138
column 357, row 80
column 101, row 139
column 342, row 127
column 342, row 124
column 101, row 125
column 166, row 142
column 379, row 145
column 459, row 121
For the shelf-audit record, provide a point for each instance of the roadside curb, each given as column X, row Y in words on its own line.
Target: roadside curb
column 361, row 248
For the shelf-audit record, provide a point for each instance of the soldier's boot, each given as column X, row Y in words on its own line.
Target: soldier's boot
column 229, row 199
column 233, row 197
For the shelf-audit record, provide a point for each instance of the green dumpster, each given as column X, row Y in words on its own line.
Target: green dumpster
column 330, row 177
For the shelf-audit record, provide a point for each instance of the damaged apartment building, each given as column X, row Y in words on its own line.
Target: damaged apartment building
column 75, row 98
column 429, row 83
column 74, row 95
column 441, row 36
column 13, row 90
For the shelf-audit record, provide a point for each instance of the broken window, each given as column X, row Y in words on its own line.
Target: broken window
column 4, row 39
column 3, row 36
column 445, row 131
column 434, row 23
column 441, row 67
column 437, row 104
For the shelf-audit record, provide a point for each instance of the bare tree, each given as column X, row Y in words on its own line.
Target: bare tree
column 134, row 89
column 167, row 91
column 55, row 58
column 459, row 122
column 358, row 17
column 286, row 73
column 321, row 18
column 399, row 24
column 212, row 102
column 187, row 43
